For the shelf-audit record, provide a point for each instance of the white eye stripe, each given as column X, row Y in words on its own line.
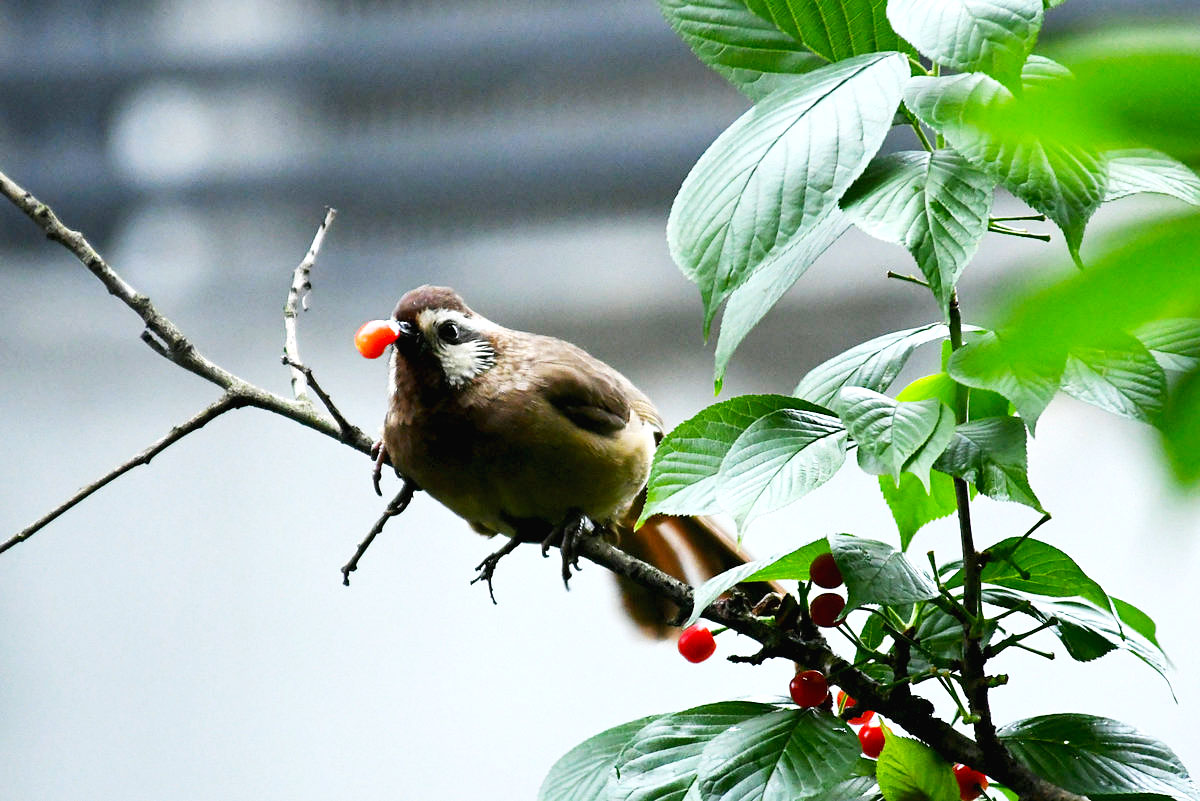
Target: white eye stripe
column 463, row 360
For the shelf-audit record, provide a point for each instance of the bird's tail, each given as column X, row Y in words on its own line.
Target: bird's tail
column 692, row 549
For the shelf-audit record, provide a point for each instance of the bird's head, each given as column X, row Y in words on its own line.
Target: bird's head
column 440, row 339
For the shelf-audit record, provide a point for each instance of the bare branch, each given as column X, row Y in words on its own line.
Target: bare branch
column 225, row 403
column 166, row 339
column 398, row 505
column 297, row 301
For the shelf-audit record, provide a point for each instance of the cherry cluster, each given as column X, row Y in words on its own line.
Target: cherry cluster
column 810, row 688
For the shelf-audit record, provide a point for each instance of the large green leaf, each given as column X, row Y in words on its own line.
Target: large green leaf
column 1063, row 180
column 837, row 29
column 659, row 763
column 934, row 204
column 909, row 770
column 992, row 36
column 748, row 50
column 1038, row 568
column 873, row 364
column 876, row 573
column 912, row 507
column 792, row 565
column 683, row 476
column 751, row 301
column 778, row 459
column 1097, row 756
column 989, row 363
column 780, row 756
column 1145, row 170
column 1174, row 343
column 763, row 185
column 990, row 453
column 1123, row 379
column 896, row 435
column 582, row 774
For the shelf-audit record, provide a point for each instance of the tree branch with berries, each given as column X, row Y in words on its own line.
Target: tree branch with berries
column 778, row 188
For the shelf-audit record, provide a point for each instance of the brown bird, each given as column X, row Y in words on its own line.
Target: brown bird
column 531, row 437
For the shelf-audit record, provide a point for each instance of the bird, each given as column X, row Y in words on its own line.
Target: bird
column 531, row 438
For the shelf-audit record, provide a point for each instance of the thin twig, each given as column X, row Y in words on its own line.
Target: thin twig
column 348, row 430
column 297, row 301
column 225, row 403
column 398, row 505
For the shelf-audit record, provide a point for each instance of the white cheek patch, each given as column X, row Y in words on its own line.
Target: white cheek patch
column 465, row 360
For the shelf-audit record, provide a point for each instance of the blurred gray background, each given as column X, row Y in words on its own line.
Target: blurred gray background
column 184, row 634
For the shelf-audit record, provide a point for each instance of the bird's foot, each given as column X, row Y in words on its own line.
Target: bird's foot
column 487, row 568
column 568, row 535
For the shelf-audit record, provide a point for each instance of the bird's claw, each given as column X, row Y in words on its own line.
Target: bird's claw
column 568, row 536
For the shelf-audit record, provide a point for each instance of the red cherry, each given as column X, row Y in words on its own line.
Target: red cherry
column 696, row 643
column 809, row 688
column 825, row 609
column 373, row 337
column 871, row 739
column 845, row 702
column 824, row 572
column 970, row 782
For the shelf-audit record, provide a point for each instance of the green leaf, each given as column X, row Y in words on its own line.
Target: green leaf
column 989, row 363
column 771, row 176
column 1049, row 571
column 1174, row 343
column 683, row 475
column 897, row 435
column 792, row 565
column 873, row 364
column 1097, row 756
column 751, row 301
column 778, row 459
column 934, row 204
column 975, row 113
column 1137, row 620
column 779, row 756
column 909, row 770
column 990, row 453
column 582, row 774
column 659, row 763
column 1180, row 427
column 1086, row 631
column 1123, row 379
column 860, row 788
column 837, row 29
column 746, row 49
column 912, row 507
column 876, row 573
column 1144, row 170
column 992, row 36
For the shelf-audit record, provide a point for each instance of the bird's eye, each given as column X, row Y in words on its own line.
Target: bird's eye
column 450, row 333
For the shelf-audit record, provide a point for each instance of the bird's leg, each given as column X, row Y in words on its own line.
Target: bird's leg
column 569, row 534
column 487, row 568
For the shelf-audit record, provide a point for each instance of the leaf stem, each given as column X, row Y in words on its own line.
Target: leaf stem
column 925, row 143
column 912, row 279
column 1018, row 218
column 1017, row 232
